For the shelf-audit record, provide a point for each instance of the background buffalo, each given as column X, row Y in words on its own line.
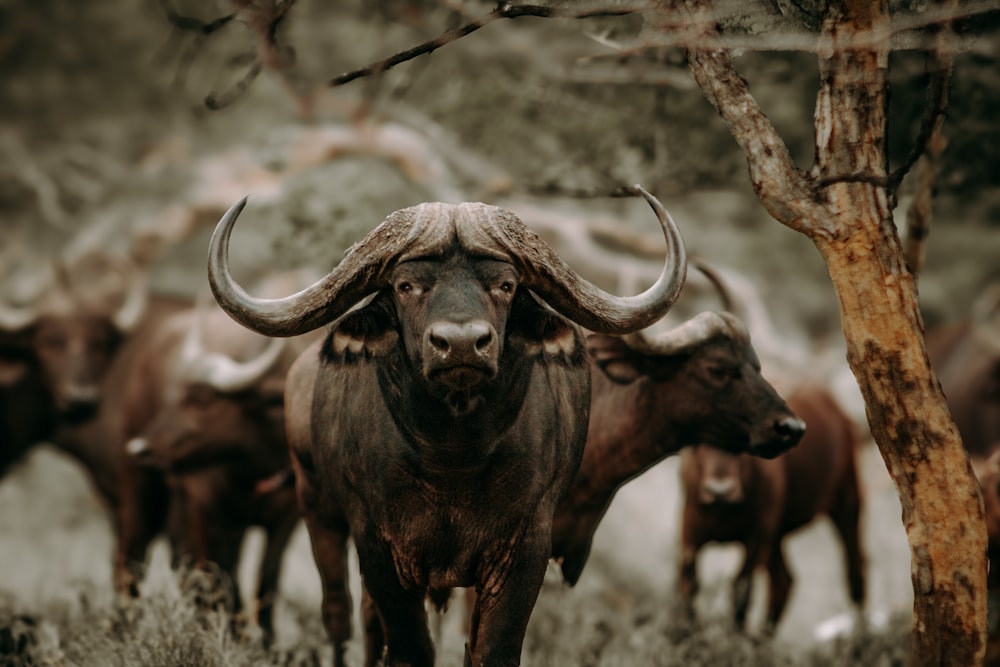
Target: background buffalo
column 503, row 116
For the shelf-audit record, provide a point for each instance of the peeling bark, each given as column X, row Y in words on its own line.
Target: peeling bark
column 843, row 205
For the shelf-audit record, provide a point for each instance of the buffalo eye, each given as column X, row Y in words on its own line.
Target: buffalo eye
column 200, row 395
column 51, row 341
column 722, row 373
column 507, row 286
column 404, row 287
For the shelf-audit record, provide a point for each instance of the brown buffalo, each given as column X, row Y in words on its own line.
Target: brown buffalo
column 757, row 503
column 965, row 356
column 987, row 469
column 698, row 383
column 77, row 323
column 193, row 421
column 651, row 396
column 218, row 432
column 445, row 415
column 27, row 411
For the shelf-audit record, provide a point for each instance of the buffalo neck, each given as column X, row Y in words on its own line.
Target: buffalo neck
column 630, row 431
column 441, row 439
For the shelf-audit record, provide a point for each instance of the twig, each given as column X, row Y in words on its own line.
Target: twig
column 188, row 24
column 554, row 189
column 32, row 176
column 941, row 64
column 503, row 11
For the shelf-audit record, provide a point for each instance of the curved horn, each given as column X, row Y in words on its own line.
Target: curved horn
column 698, row 329
column 31, row 288
column 366, row 266
column 362, row 271
column 219, row 370
column 986, row 318
column 14, row 318
column 136, row 298
column 718, row 282
column 593, row 308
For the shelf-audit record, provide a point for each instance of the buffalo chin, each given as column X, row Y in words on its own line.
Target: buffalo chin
column 770, row 450
column 461, row 379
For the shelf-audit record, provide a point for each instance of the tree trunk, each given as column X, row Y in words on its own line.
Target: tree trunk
column 843, row 206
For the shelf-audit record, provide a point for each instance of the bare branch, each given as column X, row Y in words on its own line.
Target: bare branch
column 504, row 10
column 783, row 189
column 188, row 24
column 940, row 64
column 911, row 32
column 31, row 174
column 262, row 19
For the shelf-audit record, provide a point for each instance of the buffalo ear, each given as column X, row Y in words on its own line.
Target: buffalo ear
column 544, row 332
column 12, row 372
column 364, row 333
column 616, row 359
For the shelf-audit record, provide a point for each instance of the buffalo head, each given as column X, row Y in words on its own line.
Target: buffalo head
column 76, row 325
column 719, row 477
column 716, row 392
column 219, row 399
column 445, row 283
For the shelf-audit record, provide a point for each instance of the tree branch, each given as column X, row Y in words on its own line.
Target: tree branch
column 783, row 189
column 503, row 10
column 940, row 64
column 188, row 24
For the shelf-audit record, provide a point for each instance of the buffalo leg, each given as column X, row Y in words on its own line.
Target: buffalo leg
column 270, row 571
column 140, row 517
column 329, row 547
column 503, row 607
column 687, row 578
column 780, row 586
column 374, row 632
column 846, row 515
column 743, row 583
column 216, row 540
column 404, row 616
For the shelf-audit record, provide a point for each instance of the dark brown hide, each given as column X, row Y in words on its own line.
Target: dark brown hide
column 27, row 412
column 966, row 358
column 77, row 325
column 98, row 443
column 209, row 445
column 646, row 406
column 448, row 412
column 987, row 469
column 758, row 502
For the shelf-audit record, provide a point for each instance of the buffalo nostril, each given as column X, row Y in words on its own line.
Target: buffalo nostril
column 790, row 428
column 461, row 340
column 484, row 341
column 439, row 343
column 137, row 447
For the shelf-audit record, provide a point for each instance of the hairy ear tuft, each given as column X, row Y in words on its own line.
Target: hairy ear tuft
column 546, row 333
column 615, row 358
column 361, row 334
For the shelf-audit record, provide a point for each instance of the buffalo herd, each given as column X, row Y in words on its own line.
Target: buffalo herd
column 457, row 403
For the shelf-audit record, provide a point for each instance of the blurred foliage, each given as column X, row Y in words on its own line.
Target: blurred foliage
column 516, row 91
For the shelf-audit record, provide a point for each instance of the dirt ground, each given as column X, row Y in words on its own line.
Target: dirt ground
column 104, row 142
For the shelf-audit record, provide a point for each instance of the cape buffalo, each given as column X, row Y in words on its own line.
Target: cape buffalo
column 77, row 324
column 757, row 502
column 444, row 416
column 965, row 356
column 697, row 383
column 219, row 431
